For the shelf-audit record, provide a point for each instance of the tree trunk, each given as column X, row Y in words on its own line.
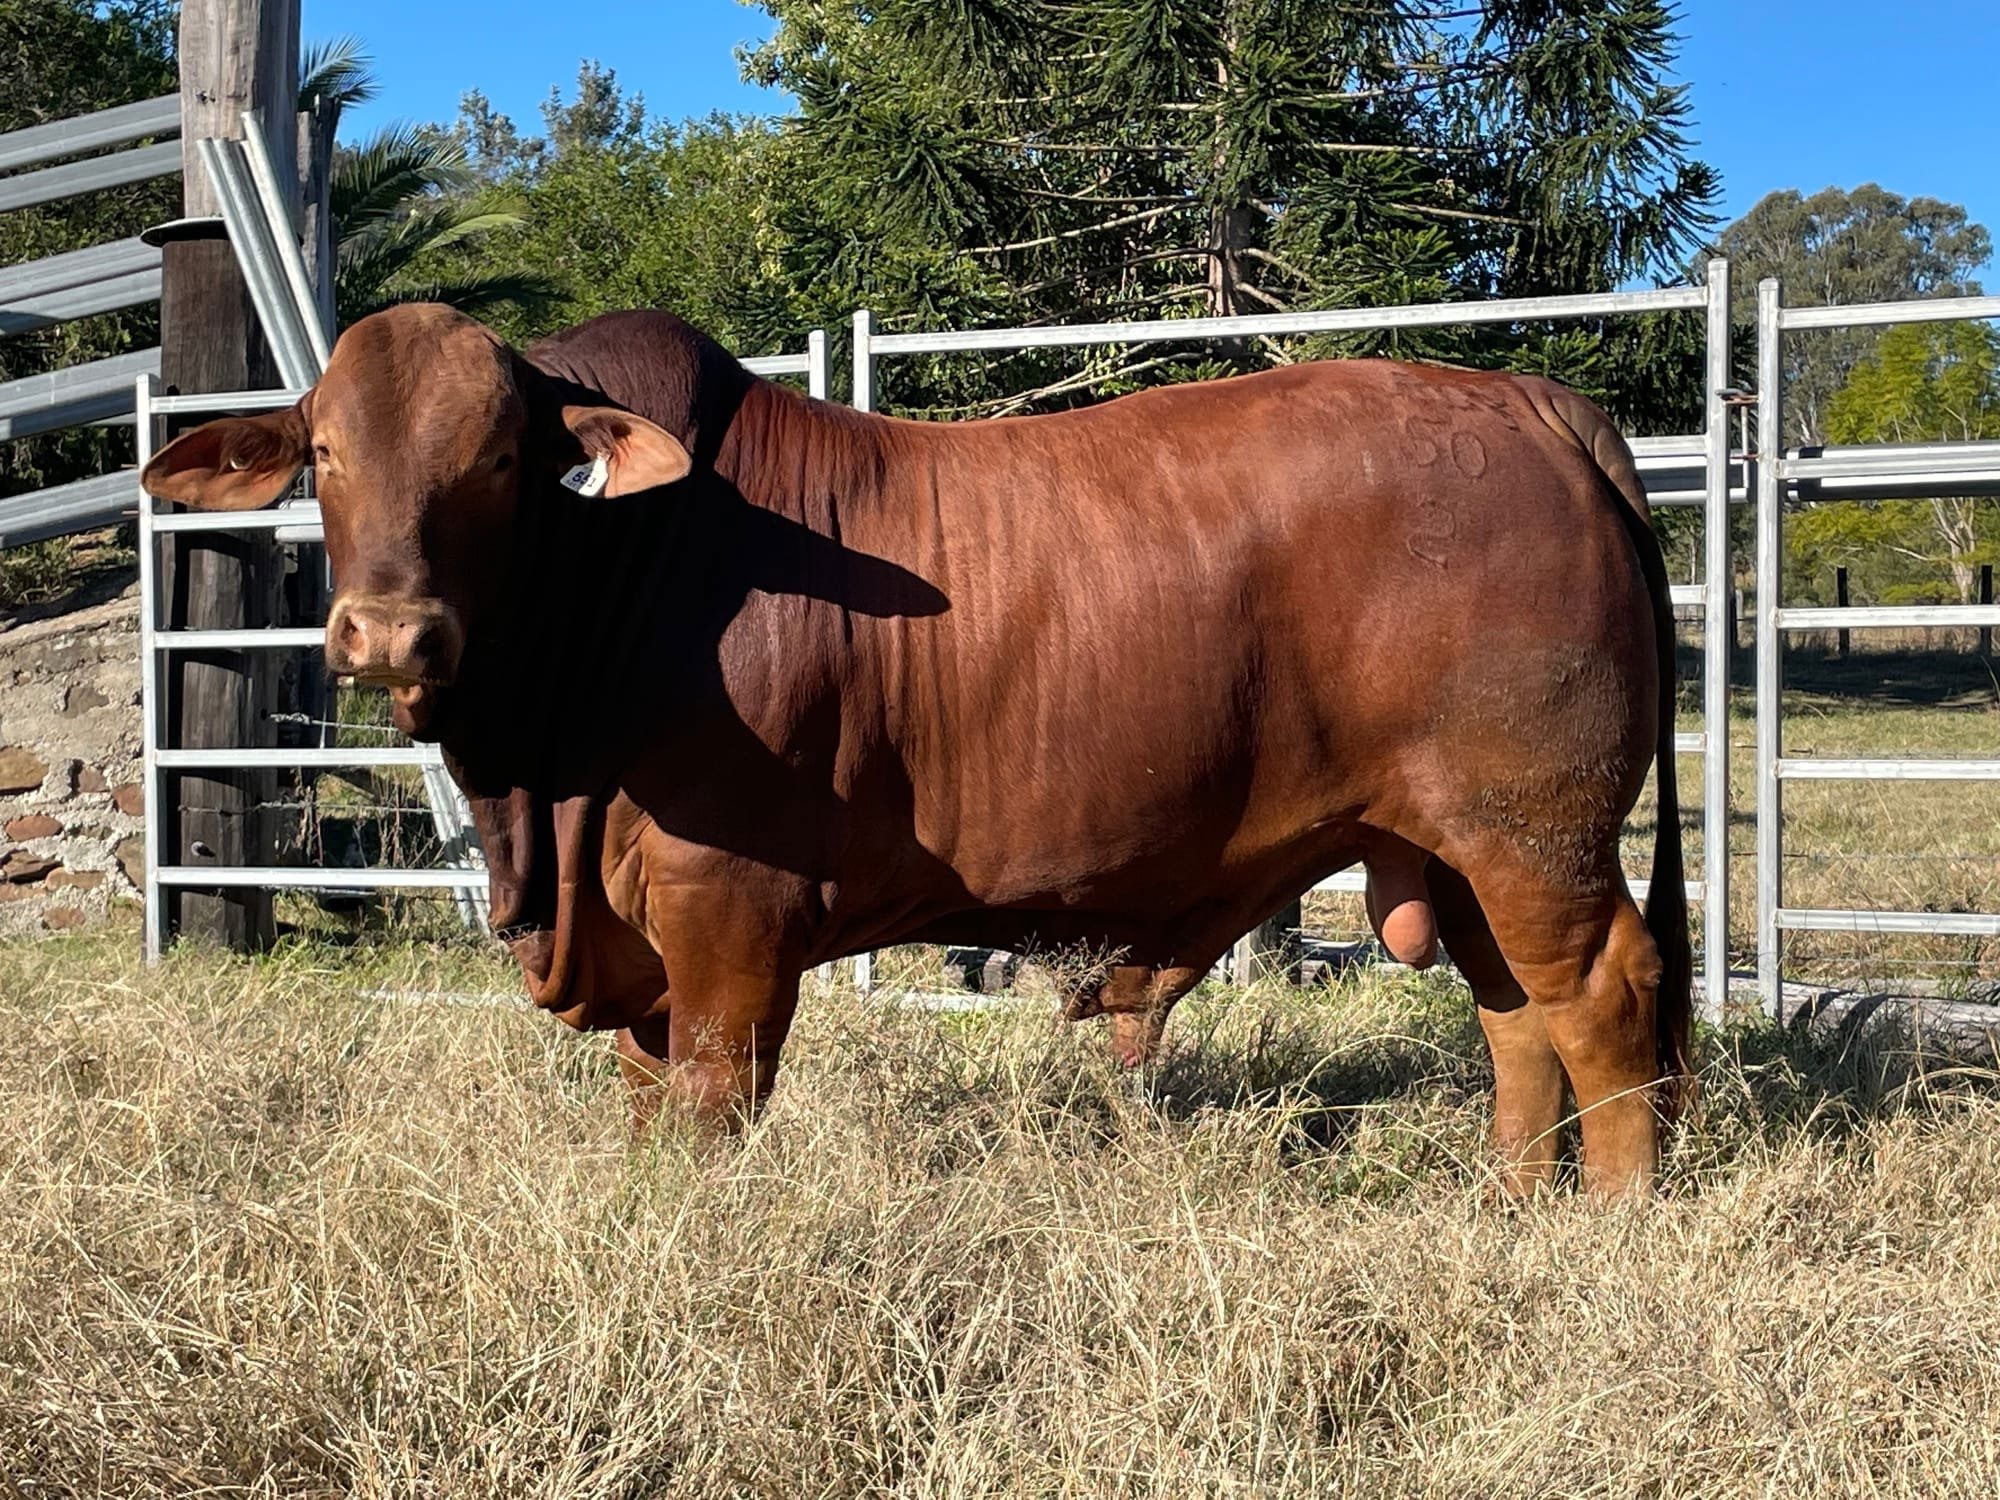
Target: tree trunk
column 1230, row 231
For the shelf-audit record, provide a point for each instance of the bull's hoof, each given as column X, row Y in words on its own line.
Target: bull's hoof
column 1135, row 1037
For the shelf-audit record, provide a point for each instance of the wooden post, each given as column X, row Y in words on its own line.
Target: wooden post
column 1986, row 597
column 306, row 589
column 1840, row 598
column 1272, row 949
column 234, row 55
column 316, row 131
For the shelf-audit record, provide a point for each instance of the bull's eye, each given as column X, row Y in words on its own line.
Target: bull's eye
column 503, row 463
column 321, row 453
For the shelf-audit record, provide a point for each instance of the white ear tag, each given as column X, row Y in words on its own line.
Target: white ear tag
column 589, row 479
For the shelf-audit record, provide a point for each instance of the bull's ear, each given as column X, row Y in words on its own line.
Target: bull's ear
column 634, row 454
column 237, row 463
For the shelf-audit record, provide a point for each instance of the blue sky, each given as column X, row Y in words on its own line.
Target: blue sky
column 1787, row 93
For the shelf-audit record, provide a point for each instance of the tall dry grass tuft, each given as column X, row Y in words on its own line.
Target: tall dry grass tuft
column 264, row 1235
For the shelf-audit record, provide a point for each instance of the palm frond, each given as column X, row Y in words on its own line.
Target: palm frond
column 387, row 252
column 336, row 73
column 375, row 180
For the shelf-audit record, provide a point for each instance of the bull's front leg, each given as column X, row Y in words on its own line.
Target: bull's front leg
column 714, row 1056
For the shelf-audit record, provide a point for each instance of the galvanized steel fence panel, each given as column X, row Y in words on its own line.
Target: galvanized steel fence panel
column 78, row 284
column 1834, row 475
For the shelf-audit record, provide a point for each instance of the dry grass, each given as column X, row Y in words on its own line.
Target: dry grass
column 263, row 1236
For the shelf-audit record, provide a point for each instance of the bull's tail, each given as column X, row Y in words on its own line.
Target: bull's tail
column 1666, row 900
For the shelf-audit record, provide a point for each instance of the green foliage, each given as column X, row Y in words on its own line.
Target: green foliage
column 60, row 58
column 334, row 75
column 617, row 215
column 1839, row 247
column 399, row 200
column 1060, row 160
column 1924, row 382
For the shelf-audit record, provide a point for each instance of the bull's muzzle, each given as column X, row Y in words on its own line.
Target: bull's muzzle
column 399, row 643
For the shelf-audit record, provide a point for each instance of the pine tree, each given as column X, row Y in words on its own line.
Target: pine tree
column 986, row 161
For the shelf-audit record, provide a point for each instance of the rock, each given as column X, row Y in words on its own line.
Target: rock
column 32, row 826
column 131, row 857
column 75, row 880
column 90, row 779
column 81, row 698
column 23, row 868
column 61, row 918
column 21, row 770
column 130, row 799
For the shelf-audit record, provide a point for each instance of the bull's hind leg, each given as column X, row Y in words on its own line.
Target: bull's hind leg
column 1581, row 952
column 1527, row 1074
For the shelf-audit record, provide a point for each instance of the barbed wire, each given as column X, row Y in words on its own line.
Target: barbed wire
column 312, row 723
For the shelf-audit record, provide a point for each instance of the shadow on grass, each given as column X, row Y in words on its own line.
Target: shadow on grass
column 1910, row 679
column 1762, row 1086
column 1292, row 1058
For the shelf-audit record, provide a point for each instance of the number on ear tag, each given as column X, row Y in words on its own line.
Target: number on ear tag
column 589, row 479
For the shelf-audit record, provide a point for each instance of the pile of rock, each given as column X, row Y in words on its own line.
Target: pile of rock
column 72, row 804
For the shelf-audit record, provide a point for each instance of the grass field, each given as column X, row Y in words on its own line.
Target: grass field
column 264, row 1235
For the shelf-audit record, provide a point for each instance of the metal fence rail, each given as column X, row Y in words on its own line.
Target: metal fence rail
column 92, row 132
column 1885, row 471
column 1687, row 470
column 81, row 505
column 74, row 395
column 111, row 261
column 78, row 284
column 812, row 364
column 73, row 179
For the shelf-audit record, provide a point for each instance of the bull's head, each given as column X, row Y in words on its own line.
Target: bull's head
column 422, row 434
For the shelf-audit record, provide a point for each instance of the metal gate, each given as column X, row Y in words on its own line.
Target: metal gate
column 1834, row 476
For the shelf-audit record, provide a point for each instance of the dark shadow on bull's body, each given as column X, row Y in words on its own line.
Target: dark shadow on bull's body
column 638, row 596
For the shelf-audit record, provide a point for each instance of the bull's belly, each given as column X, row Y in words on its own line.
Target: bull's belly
column 1176, row 903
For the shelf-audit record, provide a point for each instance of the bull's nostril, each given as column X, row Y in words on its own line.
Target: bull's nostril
column 350, row 637
column 392, row 641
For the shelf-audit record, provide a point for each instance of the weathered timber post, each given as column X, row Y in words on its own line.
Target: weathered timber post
column 1273, row 949
column 1986, row 597
column 1840, row 598
column 234, row 55
column 306, row 591
column 316, row 128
